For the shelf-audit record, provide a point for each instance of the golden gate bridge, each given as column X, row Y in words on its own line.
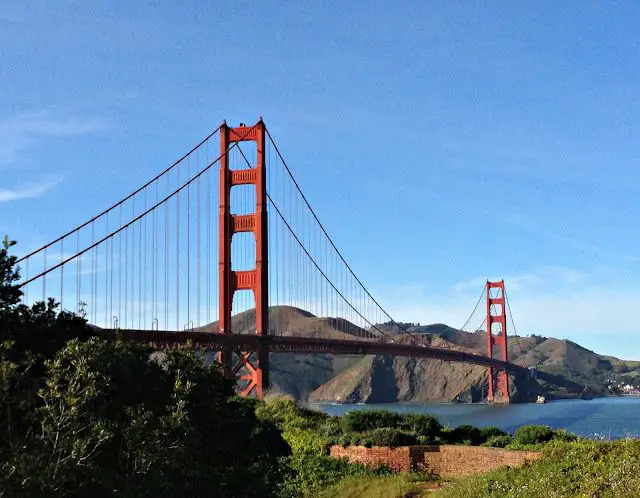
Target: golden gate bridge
column 160, row 266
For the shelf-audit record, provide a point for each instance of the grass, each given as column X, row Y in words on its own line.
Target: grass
column 396, row 486
column 567, row 469
column 577, row 469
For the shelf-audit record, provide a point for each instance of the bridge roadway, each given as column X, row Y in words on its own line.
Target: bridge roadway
column 287, row 344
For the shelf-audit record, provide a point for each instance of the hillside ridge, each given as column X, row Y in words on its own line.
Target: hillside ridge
column 558, row 368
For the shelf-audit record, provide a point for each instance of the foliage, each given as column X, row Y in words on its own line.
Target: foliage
column 308, row 434
column 392, row 486
column 533, row 434
column 85, row 416
column 304, row 441
column 286, row 413
column 463, row 434
column 489, row 432
column 386, row 436
column 423, row 425
column 315, row 472
column 368, row 420
column 498, row 441
column 111, row 420
column 563, row 435
column 567, row 469
column 330, row 427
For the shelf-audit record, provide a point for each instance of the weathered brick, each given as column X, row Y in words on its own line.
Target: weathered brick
column 397, row 459
column 444, row 460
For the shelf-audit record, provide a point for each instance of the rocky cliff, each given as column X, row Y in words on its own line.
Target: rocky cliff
column 553, row 367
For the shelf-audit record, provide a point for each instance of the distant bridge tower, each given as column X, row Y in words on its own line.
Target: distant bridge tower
column 496, row 315
column 250, row 368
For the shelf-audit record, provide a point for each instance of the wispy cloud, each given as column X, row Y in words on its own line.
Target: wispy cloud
column 567, row 240
column 29, row 191
column 27, row 129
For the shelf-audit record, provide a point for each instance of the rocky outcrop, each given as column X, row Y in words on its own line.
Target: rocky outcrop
column 553, row 368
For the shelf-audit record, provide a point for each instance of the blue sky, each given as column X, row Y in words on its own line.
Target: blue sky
column 460, row 140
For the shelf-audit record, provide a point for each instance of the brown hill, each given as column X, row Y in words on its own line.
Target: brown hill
column 558, row 368
column 383, row 379
column 292, row 373
column 294, row 322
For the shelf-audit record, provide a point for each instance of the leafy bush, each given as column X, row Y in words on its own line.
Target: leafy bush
column 489, row 432
column 368, row 420
column 113, row 422
column 330, row 427
column 350, row 439
column 386, row 436
column 425, row 426
column 304, row 441
column 463, row 434
column 563, row 435
column 85, row 416
column 580, row 468
column 424, row 440
column 498, row 441
column 533, row 434
column 285, row 413
column 311, row 473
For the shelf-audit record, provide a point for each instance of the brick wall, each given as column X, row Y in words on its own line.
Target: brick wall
column 444, row 460
column 453, row 460
column 397, row 459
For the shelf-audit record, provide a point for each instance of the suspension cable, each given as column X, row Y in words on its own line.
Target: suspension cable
column 137, row 218
column 304, row 198
column 524, row 359
column 474, row 309
column 122, row 201
column 301, row 244
column 323, row 273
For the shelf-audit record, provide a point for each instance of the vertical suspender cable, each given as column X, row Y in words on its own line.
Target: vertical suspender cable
column 44, row 279
column 188, row 242
column 198, row 244
column 77, row 272
column 126, row 276
column 62, row 275
column 208, row 236
column 178, row 256
column 120, row 267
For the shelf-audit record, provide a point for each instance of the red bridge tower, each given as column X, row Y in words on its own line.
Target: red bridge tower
column 250, row 368
column 496, row 314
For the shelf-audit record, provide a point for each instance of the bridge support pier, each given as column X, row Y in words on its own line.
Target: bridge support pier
column 496, row 314
column 249, row 368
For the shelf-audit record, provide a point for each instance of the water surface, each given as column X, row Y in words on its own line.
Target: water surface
column 597, row 418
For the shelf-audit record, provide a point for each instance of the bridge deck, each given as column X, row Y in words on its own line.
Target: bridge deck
column 285, row 344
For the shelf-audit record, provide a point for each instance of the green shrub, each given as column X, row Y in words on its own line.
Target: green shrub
column 489, row 432
column 386, row 436
column 304, row 441
column 422, row 425
column 285, row 412
column 533, row 434
column 580, row 468
column 346, row 440
column 311, row 473
column 463, row 434
column 424, row 440
column 368, row 420
column 498, row 441
column 563, row 435
column 330, row 427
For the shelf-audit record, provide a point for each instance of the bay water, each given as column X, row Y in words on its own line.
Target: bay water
column 599, row 418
